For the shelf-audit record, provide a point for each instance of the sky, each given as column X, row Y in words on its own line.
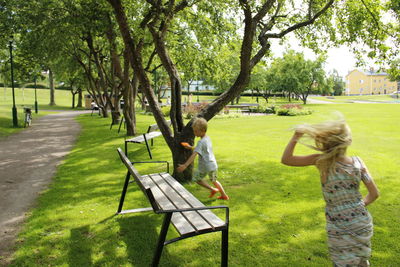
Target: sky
column 341, row 58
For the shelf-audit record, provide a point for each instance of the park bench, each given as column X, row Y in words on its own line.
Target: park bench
column 242, row 108
column 152, row 132
column 187, row 214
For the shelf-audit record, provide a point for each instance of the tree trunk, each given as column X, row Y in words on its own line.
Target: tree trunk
column 80, row 98
column 181, row 154
column 73, row 100
column 129, row 94
column 129, row 108
column 51, row 84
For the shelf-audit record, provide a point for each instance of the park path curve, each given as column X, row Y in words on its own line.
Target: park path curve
column 28, row 162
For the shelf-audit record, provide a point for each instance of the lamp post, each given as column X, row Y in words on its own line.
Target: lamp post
column 36, row 104
column 4, row 80
column 14, row 108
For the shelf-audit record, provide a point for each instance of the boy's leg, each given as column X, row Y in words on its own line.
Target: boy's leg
column 198, row 177
column 221, row 190
column 213, row 177
column 204, row 184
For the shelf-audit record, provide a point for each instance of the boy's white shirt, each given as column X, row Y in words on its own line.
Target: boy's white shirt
column 207, row 161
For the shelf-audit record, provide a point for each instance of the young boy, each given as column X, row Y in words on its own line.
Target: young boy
column 207, row 165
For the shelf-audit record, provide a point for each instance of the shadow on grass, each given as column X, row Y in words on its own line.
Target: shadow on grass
column 140, row 234
column 277, row 216
column 80, row 251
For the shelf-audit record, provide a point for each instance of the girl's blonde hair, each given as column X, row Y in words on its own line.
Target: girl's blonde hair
column 331, row 138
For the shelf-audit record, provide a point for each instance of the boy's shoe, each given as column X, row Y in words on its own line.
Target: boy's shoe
column 213, row 192
column 223, row 197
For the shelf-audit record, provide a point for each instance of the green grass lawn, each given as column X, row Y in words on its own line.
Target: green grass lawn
column 26, row 98
column 277, row 212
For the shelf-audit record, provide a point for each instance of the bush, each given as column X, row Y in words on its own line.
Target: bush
column 166, row 110
column 292, row 110
column 257, row 109
column 191, row 110
column 38, row 86
column 271, row 109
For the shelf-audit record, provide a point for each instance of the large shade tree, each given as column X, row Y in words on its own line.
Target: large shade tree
column 315, row 22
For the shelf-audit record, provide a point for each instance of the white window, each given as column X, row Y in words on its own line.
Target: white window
column 361, row 81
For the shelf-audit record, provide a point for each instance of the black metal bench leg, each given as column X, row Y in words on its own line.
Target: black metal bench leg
column 161, row 239
column 123, row 193
column 148, row 147
column 119, row 128
column 224, row 248
column 126, row 148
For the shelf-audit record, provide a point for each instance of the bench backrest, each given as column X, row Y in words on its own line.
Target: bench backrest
column 154, row 127
column 137, row 177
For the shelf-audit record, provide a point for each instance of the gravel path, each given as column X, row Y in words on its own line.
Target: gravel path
column 28, row 161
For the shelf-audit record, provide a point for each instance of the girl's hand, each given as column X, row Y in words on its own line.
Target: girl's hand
column 297, row 135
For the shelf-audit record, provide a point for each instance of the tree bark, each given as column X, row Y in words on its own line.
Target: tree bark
column 80, row 98
column 73, row 99
column 52, row 90
column 129, row 95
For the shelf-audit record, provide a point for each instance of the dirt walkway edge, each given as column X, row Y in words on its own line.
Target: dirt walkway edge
column 28, row 161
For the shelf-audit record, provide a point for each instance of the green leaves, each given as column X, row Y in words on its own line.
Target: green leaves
column 294, row 74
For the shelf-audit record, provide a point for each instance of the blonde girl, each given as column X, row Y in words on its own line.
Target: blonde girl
column 348, row 222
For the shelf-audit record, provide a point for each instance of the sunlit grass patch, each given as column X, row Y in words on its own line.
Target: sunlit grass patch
column 277, row 212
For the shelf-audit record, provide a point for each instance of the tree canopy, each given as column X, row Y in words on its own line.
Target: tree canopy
column 119, row 43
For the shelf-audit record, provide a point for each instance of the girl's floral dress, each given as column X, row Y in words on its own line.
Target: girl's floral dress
column 348, row 223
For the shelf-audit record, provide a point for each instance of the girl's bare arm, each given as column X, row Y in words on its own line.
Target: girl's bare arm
column 289, row 159
column 373, row 191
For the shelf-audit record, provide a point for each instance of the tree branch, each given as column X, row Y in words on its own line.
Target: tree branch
column 264, row 10
column 301, row 24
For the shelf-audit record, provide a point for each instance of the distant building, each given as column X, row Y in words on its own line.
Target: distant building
column 369, row 83
column 194, row 87
column 198, row 86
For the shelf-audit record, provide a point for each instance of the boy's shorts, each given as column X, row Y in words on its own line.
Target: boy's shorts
column 198, row 176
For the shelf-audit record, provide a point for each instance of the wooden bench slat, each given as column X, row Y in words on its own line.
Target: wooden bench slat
column 208, row 215
column 184, row 226
column 153, row 135
column 181, row 224
column 136, row 139
column 140, row 138
column 193, row 217
column 152, row 132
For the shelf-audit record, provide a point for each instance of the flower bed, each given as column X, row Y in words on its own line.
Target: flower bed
column 292, row 110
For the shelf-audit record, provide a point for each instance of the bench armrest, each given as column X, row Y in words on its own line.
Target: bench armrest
column 199, row 208
column 152, row 161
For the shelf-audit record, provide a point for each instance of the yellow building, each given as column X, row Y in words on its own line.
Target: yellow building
column 369, row 83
